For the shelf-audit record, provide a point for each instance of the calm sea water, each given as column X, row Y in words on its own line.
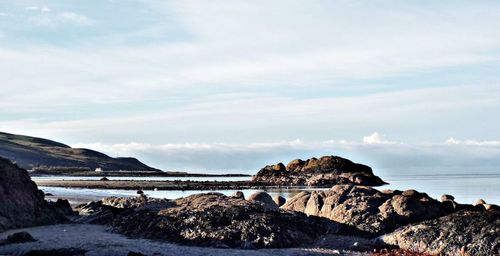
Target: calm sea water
column 464, row 187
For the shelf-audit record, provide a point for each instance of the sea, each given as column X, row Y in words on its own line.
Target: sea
column 466, row 188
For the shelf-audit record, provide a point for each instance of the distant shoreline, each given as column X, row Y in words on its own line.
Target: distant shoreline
column 135, row 174
column 154, row 185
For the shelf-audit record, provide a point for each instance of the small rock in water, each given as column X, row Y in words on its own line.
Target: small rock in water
column 238, row 194
column 104, row 179
column 20, row 237
column 279, row 200
column 140, row 192
column 135, row 254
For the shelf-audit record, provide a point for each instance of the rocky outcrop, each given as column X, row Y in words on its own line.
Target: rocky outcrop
column 370, row 211
column 323, row 172
column 21, row 203
column 216, row 220
column 466, row 232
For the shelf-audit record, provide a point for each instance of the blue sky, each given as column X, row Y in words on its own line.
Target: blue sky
column 219, row 86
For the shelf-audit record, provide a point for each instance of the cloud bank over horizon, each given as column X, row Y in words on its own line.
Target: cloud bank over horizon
column 386, row 157
column 228, row 74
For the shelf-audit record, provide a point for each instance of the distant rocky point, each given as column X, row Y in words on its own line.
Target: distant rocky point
column 323, row 172
column 46, row 156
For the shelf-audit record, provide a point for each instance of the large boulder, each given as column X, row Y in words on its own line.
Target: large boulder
column 323, row 172
column 466, row 232
column 21, row 203
column 263, row 198
column 368, row 210
column 214, row 219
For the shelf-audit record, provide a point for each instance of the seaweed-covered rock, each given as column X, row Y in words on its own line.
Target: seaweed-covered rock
column 367, row 209
column 21, row 203
column 322, row 172
column 216, row 220
column 465, row 232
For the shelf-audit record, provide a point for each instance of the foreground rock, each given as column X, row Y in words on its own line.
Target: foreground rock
column 220, row 221
column 370, row 211
column 325, row 171
column 462, row 233
column 21, row 203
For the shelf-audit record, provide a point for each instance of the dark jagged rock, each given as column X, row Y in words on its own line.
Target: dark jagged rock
column 322, row 172
column 464, row 232
column 216, row 220
column 21, row 203
column 48, row 156
column 370, row 211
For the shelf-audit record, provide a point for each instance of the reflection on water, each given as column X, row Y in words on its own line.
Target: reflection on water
column 465, row 188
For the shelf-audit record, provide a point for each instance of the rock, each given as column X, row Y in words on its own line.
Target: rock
column 21, row 203
column 323, row 172
column 264, row 198
column 480, row 202
column 490, row 207
column 140, row 192
column 461, row 233
column 279, row 200
column 49, row 194
column 103, row 211
column 216, row 220
column 446, row 197
column 104, row 179
column 135, row 254
column 369, row 211
column 57, row 252
column 239, row 194
column 20, row 237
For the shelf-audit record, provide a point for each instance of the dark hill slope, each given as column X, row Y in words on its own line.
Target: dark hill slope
column 30, row 152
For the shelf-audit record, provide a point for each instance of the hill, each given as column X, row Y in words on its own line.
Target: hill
column 45, row 155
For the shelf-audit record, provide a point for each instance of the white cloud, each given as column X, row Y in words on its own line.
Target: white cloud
column 469, row 142
column 377, row 138
column 75, row 19
column 37, row 8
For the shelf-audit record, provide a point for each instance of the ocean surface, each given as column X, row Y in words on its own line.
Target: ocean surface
column 466, row 188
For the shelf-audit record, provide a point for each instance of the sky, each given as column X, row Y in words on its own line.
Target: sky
column 231, row 86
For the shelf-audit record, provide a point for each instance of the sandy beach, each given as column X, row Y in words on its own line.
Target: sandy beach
column 97, row 240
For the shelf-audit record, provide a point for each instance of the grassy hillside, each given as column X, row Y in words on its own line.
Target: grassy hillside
column 37, row 153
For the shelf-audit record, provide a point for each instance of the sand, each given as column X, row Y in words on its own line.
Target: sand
column 98, row 241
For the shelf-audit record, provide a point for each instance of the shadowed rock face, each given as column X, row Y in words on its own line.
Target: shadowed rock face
column 464, row 232
column 325, row 171
column 217, row 220
column 370, row 211
column 21, row 203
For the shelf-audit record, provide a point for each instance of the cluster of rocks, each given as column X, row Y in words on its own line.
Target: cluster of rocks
column 323, row 172
column 370, row 211
column 466, row 232
column 22, row 204
column 214, row 219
